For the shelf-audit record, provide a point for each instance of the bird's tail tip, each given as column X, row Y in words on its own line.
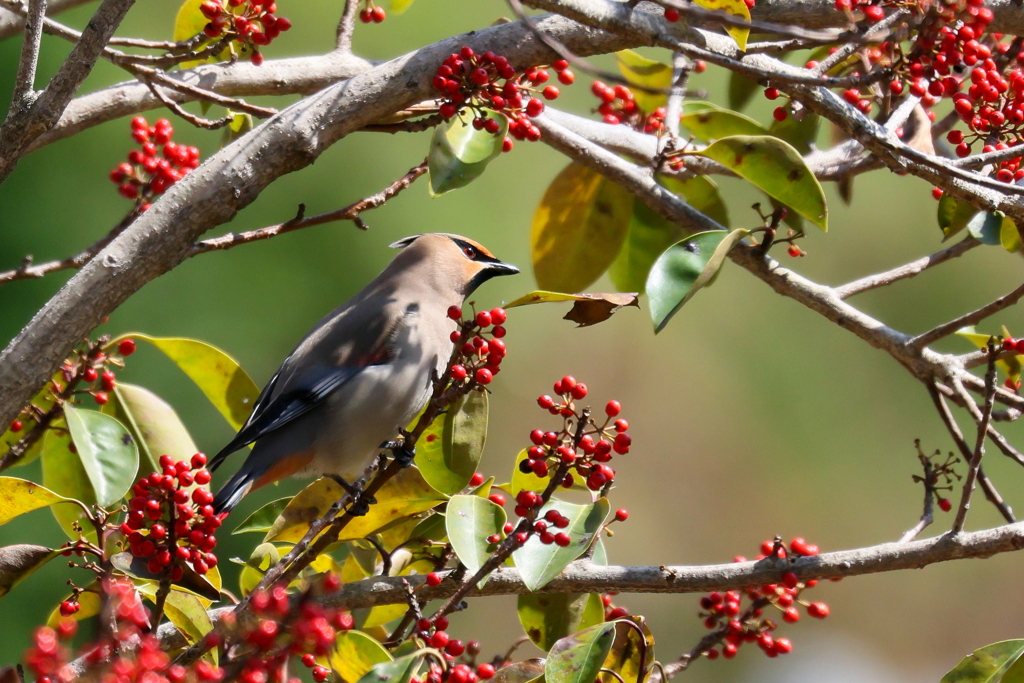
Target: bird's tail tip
column 231, row 494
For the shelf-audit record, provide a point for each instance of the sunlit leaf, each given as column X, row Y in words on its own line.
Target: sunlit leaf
column 547, row 618
column 263, row 557
column 397, row 7
column 184, row 610
column 578, row 658
column 650, row 234
column 578, row 228
column 218, row 375
column 354, row 654
column 18, row 496
column 190, row 22
column 520, row 672
column 64, row 474
column 153, row 423
column 398, row 671
column 239, row 126
column 587, row 309
column 20, row 560
column 263, row 519
column 953, row 215
column 624, row 658
column 450, row 450
column 469, row 520
column 405, row 494
column 107, row 451
column 710, row 122
column 539, row 563
column 774, row 166
column 986, row 664
column 685, row 268
column 645, row 75
column 459, row 153
column 1009, row 236
column 737, row 8
column 1011, row 366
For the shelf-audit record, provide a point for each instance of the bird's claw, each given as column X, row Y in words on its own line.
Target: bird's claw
column 361, row 505
column 404, row 456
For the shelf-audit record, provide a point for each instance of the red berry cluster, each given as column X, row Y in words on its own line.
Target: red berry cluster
column 488, row 81
column 167, row 524
column 618, row 105
column 154, row 168
column 589, row 449
column 735, row 623
column 106, row 660
column 479, row 352
column 372, row 13
column 287, row 627
column 460, row 658
column 252, row 23
column 611, row 610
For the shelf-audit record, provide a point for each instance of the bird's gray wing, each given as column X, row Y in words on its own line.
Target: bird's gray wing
column 273, row 413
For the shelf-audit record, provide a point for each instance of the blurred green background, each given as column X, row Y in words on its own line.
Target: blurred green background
column 751, row 415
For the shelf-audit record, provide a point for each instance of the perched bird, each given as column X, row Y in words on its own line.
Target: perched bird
column 363, row 372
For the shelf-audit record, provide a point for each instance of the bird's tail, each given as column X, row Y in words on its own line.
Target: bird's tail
column 232, row 492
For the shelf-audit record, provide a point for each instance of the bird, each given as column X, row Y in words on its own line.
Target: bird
column 363, row 372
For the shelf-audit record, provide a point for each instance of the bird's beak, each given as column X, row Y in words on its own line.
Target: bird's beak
column 499, row 268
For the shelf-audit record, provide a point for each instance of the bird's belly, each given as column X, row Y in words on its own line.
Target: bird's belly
column 366, row 412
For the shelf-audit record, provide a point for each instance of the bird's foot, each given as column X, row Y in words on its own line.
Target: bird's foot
column 404, row 456
column 361, row 502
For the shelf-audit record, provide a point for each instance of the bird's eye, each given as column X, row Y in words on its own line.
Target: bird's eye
column 470, row 252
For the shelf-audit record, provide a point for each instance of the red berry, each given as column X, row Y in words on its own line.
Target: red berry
column 621, row 515
column 783, row 646
column 612, row 408
column 562, row 539
column 320, row 674
column 17, row 426
column 945, row 505
column 483, row 376
column 454, row 312
column 439, row 640
column 771, row 93
column 551, row 92
column 671, row 14
column 497, row 499
column 378, row 15
column 790, row 580
column 485, row 671
column 459, row 373
column 476, row 479
column 90, row 375
column 433, row 579
column 101, row 398
column 818, row 610
column 483, row 319
column 780, row 114
column 791, row 615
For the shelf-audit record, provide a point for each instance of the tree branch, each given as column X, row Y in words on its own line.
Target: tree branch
column 946, row 329
column 907, row 270
column 25, row 80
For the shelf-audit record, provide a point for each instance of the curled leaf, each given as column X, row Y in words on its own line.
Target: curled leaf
column 20, row 560
column 588, row 309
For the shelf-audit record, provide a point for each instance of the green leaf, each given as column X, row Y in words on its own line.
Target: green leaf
column 459, row 153
column 218, row 375
column 1011, row 366
column 406, row 494
column 587, row 309
column 986, row 227
column 239, row 126
column 737, row 8
column 578, row 228
column 355, row 654
column 18, row 496
column 64, row 474
column 263, row 519
column 986, row 664
column 469, row 520
column 1009, row 236
column 713, row 122
column 802, row 134
column 450, row 449
column 774, row 166
column 184, row 610
column 20, row 560
column 107, row 452
column 398, row 671
column 650, row 234
column 549, row 618
column 741, row 89
column 953, row 215
column 44, row 400
column 579, row 657
column 521, row 672
column 593, row 612
column 263, row 557
column 189, row 22
column 153, row 423
column 539, row 563
column 526, row 481
column 685, row 268
column 643, row 74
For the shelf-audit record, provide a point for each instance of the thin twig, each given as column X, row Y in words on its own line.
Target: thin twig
column 927, row 515
column 197, row 121
column 979, row 447
column 25, row 80
column 347, row 26
column 946, row 329
column 871, row 34
column 907, row 270
column 681, row 66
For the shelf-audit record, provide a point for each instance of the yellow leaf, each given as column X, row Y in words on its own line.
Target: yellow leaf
column 643, row 73
column 578, row 229
column 354, row 654
column 406, row 494
column 18, row 496
column 736, row 8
